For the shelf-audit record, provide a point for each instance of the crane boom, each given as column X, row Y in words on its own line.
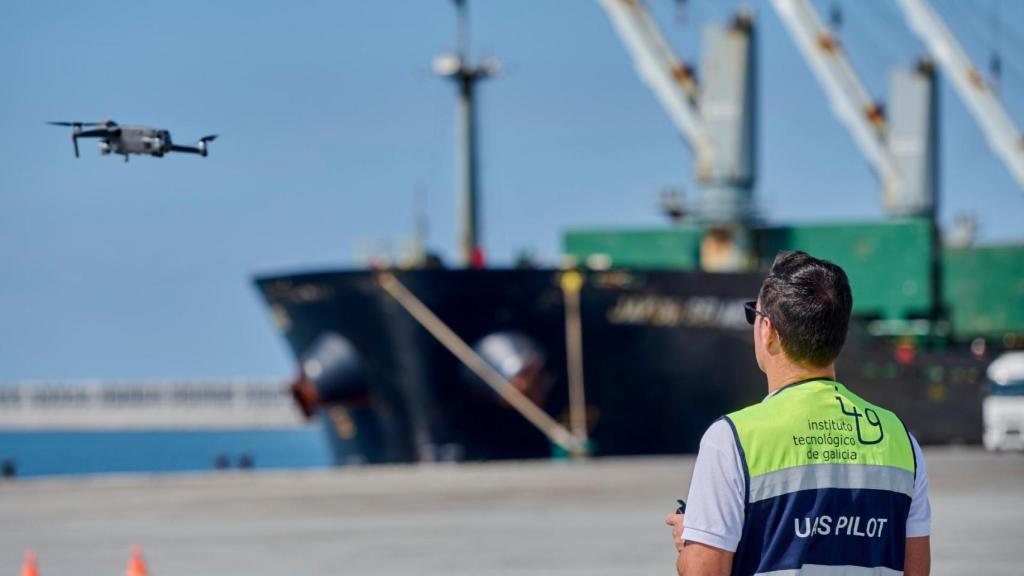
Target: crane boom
column 1003, row 136
column 849, row 100
column 671, row 82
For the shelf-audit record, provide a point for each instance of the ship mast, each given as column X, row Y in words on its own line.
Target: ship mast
column 460, row 69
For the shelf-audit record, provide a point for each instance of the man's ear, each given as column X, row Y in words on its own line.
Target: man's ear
column 771, row 338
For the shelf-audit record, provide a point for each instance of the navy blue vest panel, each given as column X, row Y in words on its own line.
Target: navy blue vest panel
column 831, row 526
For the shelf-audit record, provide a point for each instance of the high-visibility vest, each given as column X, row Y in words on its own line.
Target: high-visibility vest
column 829, row 481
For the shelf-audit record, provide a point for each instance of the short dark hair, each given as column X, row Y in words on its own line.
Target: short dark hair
column 808, row 301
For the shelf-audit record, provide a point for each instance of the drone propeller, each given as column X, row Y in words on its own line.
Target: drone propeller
column 209, row 138
column 78, row 124
column 77, row 129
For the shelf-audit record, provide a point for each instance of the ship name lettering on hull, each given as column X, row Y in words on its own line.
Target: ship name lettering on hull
column 666, row 311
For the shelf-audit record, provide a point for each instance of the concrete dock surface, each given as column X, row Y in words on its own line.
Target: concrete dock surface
column 602, row 517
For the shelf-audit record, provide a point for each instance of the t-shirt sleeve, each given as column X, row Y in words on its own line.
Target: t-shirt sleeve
column 714, row 508
column 919, row 521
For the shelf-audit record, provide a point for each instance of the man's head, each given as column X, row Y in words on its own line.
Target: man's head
column 804, row 307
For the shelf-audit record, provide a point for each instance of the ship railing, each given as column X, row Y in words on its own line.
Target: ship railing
column 146, row 404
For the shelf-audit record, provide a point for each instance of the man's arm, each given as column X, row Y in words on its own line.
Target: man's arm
column 918, row 559
column 714, row 515
column 702, row 560
column 696, row 559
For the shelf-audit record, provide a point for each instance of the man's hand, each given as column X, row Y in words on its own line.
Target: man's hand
column 676, row 522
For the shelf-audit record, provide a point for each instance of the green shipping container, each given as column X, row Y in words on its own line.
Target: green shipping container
column 674, row 248
column 888, row 263
column 984, row 290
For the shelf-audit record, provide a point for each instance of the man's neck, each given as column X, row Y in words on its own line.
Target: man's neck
column 789, row 373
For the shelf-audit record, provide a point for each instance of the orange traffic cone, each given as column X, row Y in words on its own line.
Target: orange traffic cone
column 136, row 565
column 30, row 568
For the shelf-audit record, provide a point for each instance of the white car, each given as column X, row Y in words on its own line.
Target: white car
column 1003, row 408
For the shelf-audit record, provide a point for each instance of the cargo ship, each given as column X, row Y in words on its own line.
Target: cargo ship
column 638, row 341
column 666, row 350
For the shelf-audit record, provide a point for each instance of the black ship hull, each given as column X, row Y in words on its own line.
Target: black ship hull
column 664, row 354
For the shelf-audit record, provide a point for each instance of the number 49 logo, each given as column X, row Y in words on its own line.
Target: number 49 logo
column 870, row 416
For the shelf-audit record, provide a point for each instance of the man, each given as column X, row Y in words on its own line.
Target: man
column 813, row 479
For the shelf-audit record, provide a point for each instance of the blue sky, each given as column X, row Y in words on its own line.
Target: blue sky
column 331, row 121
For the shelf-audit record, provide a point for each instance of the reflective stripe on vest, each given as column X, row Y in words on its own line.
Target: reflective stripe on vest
column 825, row 570
column 829, row 478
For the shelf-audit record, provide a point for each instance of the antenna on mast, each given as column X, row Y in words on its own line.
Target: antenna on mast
column 465, row 73
column 420, row 227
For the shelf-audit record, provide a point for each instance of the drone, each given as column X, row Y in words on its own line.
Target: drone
column 125, row 140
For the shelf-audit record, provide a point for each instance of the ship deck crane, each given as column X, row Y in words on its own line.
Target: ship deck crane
column 671, row 81
column 850, row 101
column 717, row 119
column 1003, row 136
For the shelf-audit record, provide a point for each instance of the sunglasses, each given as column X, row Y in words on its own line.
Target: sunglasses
column 750, row 309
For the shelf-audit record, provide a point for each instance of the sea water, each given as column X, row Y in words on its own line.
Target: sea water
column 44, row 453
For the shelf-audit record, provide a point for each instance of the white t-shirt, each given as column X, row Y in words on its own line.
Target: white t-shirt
column 714, row 508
